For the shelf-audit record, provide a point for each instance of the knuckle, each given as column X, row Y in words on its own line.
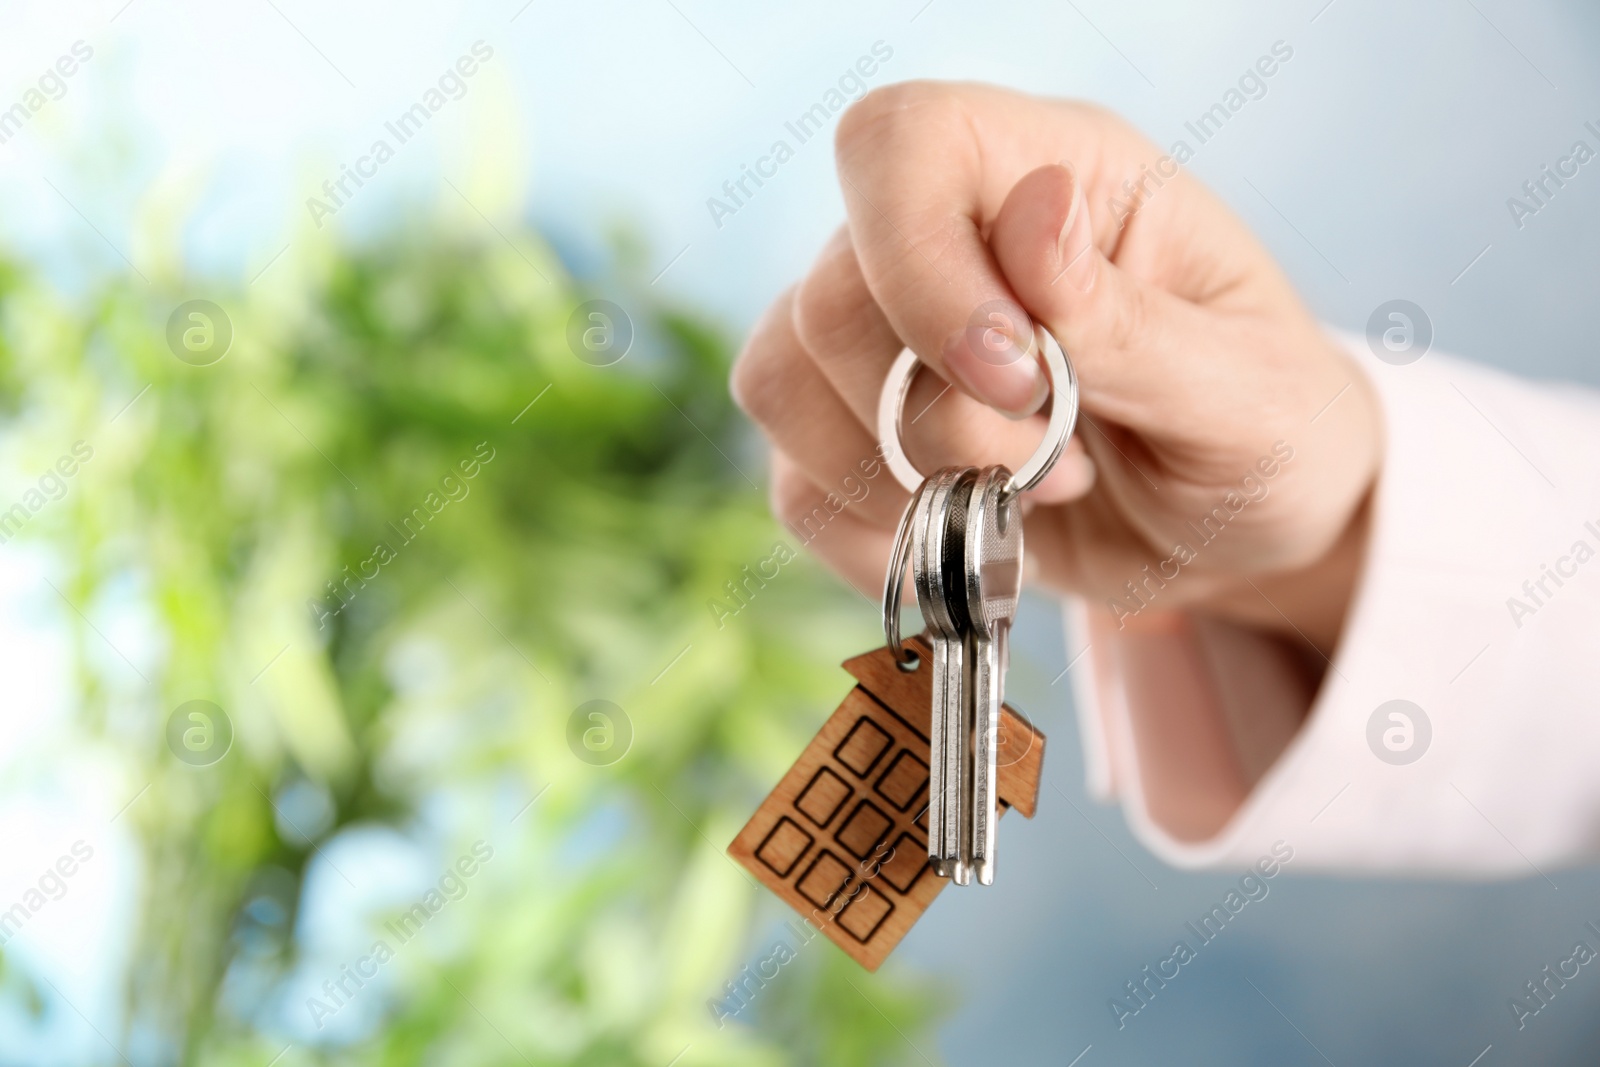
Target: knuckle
column 756, row 380
column 861, row 118
column 791, row 496
column 829, row 302
column 1130, row 318
column 890, row 111
column 750, row 382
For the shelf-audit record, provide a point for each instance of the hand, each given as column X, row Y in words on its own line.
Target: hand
column 1226, row 445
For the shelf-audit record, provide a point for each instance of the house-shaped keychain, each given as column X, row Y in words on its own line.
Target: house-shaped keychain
column 843, row 838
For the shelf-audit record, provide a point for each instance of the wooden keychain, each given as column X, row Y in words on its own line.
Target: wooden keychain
column 844, row 836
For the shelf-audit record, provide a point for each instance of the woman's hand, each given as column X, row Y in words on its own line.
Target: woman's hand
column 1226, row 446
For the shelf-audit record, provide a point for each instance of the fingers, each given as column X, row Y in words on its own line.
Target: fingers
column 781, row 388
column 925, row 169
column 911, row 171
column 841, row 328
column 854, row 548
column 1143, row 355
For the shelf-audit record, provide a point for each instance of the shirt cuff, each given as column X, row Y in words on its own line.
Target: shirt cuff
column 1454, row 730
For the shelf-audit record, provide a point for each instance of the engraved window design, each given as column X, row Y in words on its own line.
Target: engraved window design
column 903, row 781
column 784, row 847
column 863, row 747
column 865, row 913
column 823, row 879
column 861, row 832
column 823, row 796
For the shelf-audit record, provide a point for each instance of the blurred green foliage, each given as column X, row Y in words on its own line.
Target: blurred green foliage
column 428, row 713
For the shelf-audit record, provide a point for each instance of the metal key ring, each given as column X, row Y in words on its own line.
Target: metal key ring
column 894, row 585
column 1063, row 415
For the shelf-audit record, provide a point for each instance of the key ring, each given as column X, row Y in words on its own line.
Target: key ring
column 906, row 659
column 1063, row 417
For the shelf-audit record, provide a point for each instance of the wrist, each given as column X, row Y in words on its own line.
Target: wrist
column 1306, row 605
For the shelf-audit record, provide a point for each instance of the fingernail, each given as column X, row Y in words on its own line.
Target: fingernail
column 987, row 361
column 1079, row 258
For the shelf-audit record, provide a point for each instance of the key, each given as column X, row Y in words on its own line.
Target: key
column 927, row 540
column 992, row 584
column 958, row 704
column 938, row 566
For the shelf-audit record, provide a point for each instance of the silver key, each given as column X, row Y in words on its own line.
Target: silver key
column 927, row 539
column 934, row 568
column 958, row 715
column 992, row 550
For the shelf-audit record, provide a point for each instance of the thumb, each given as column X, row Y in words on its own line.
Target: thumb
column 1138, row 349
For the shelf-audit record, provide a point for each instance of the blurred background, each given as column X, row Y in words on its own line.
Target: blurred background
column 297, row 430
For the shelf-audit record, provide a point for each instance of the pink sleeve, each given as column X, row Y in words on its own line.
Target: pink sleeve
column 1479, row 607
